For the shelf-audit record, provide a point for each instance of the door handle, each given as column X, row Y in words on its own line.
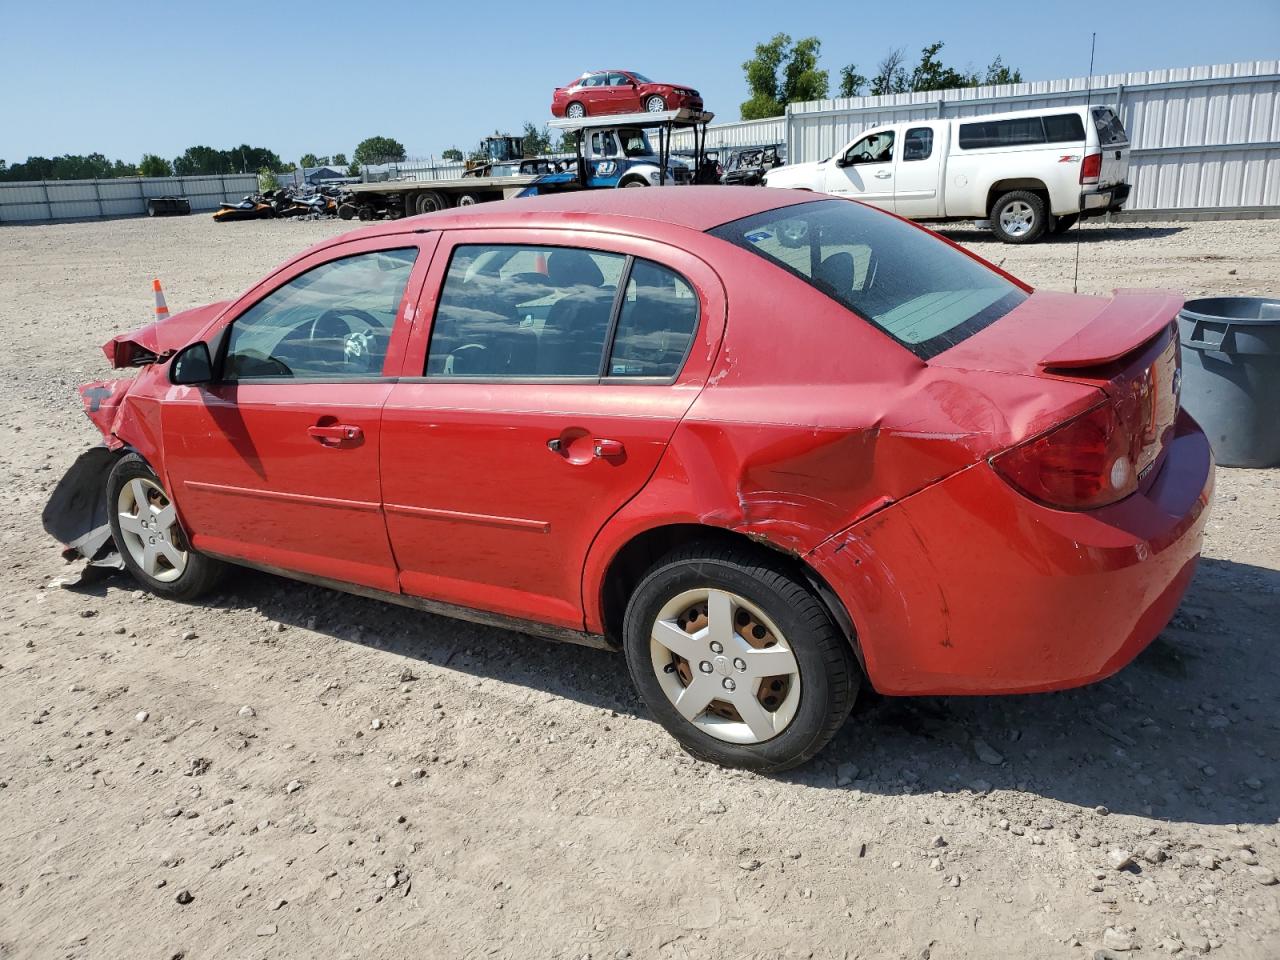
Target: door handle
column 335, row 434
column 605, row 449
column 883, row 175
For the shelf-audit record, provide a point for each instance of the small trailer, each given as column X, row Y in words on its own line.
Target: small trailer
column 610, row 151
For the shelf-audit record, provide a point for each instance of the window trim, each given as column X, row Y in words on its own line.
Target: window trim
column 603, row 377
column 223, row 335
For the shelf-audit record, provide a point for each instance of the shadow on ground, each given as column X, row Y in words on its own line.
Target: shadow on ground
column 1184, row 733
column 1108, row 234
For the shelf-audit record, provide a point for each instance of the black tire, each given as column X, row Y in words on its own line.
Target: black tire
column 829, row 674
column 346, row 210
column 430, row 201
column 201, row 573
column 1017, row 204
column 635, row 183
column 468, row 200
column 655, row 104
column 575, row 111
column 365, row 213
column 1064, row 223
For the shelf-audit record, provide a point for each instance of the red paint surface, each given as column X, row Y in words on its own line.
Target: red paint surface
column 792, row 422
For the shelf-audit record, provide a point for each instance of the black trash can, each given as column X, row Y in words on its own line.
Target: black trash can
column 1231, row 376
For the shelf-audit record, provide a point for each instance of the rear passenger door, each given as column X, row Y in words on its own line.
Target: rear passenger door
column 917, row 184
column 538, row 402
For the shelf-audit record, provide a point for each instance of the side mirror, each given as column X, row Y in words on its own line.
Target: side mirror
column 843, row 160
column 192, row 364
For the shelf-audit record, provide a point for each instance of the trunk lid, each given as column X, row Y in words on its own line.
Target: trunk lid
column 1126, row 347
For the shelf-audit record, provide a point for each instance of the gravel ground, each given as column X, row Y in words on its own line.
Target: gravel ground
column 289, row 772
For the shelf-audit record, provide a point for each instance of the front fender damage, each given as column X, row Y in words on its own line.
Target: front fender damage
column 76, row 514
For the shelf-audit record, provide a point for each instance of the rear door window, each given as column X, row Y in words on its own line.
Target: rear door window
column 1063, row 128
column 1001, row 133
column 923, row 293
column 519, row 312
column 918, row 144
column 1110, row 129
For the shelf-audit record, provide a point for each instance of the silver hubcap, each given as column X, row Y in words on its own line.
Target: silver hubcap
column 575, row 110
column 725, row 666
column 149, row 529
column 1017, row 218
column 656, row 105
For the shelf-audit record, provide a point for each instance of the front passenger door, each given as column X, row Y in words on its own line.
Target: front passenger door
column 865, row 170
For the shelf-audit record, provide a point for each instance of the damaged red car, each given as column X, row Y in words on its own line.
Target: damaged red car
column 774, row 448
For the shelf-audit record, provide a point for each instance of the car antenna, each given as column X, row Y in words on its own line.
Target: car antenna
column 1088, row 95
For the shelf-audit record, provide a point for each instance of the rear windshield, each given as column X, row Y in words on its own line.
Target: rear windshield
column 1020, row 131
column 924, row 293
column 1110, row 129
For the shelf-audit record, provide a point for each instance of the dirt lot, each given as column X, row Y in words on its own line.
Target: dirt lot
column 465, row 792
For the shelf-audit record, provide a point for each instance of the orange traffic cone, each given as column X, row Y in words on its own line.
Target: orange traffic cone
column 162, row 310
column 540, row 264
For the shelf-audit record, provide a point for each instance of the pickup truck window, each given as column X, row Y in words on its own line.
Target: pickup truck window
column 919, row 144
column 1021, row 131
column 875, row 148
column 924, row 294
column 1110, row 129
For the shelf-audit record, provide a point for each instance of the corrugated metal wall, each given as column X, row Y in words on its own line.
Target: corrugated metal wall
column 1203, row 137
column 37, row 200
column 744, row 133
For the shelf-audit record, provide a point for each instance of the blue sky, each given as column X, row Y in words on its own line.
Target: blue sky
column 123, row 79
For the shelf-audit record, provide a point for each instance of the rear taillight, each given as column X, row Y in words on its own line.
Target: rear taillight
column 1091, row 168
column 1086, row 462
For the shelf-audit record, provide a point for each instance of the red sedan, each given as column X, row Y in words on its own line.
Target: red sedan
column 771, row 446
column 620, row 91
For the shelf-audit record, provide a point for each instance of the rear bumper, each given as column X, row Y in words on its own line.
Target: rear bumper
column 1094, row 203
column 970, row 588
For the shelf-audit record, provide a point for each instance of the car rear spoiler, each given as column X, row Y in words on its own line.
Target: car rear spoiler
column 1132, row 318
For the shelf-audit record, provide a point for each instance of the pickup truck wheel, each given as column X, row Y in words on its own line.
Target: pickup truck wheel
column 1064, row 223
column 152, row 543
column 1019, row 217
column 655, row 104
column 575, row 111
column 738, row 659
column 430, row 201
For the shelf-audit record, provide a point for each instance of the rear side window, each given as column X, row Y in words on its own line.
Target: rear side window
column 920, row 291
column 1110, row 129
column 1020, row 131
column 919, row 144
column 516, row 312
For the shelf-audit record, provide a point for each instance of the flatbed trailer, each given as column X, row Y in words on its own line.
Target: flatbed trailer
column 590, row 170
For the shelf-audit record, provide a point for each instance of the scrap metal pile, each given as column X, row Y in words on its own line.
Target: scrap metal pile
column 284, row 202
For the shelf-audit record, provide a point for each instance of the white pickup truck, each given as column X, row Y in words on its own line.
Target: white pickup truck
column 1024, row 173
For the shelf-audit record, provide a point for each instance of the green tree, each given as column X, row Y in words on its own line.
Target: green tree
column 354, row 169
column 781, row 73
column 891, row 76
column 932, row 74
column 309, row 160
column 267, row 180
column 851, row 81
column 537, row 142
column 997, row 73
column 379, row 150
column 339, row 159
column 154, row 166
column 453, row 153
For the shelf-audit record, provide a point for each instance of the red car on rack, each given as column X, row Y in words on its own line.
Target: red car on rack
column 774, row 446
column 600, row 92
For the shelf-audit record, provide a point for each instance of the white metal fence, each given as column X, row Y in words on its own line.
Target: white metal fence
column 44, row 200
column 1203, row 138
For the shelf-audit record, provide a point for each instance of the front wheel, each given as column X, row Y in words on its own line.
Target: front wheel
column 738, row 659
column 152, row 543
column 1019, row 217
column 655, row 104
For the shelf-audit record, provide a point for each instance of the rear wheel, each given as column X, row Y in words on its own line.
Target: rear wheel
column 152, row 543
column 365, row 213
column 1064, row 223
column 738, row 659
column 468, row 200
column 655, row 104
column 430, row 201
column 575, row 111
column 346, row 211
column 1019, row 217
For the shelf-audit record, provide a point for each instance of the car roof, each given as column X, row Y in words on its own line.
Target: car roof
column 695, row 208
